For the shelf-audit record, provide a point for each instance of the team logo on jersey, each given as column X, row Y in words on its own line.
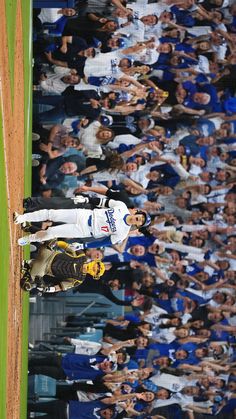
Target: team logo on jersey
column 176, row 387
column 96, row 412
column 111, row 220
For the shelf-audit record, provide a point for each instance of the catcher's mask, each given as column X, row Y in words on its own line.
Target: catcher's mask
column 96, row 269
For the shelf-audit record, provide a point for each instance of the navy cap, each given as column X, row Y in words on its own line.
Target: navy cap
column 106, row 120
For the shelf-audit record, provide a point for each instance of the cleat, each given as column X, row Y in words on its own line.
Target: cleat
column 27, row 203
column 23, row 241
column 25, row 284
column 25, row 226
column 15, row 217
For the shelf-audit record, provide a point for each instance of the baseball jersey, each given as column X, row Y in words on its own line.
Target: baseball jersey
column 105, row 222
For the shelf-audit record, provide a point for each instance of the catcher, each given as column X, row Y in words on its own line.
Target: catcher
column 58, row 270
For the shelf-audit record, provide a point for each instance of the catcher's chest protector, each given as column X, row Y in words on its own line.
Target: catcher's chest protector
column 65, row 266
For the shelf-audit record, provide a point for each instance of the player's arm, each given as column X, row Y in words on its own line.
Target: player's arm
column 121, row 246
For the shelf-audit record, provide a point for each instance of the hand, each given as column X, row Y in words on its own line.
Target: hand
column 201, row 112
column 170, row 283
column 153, row 145
column 230, row 230
column 130, row 342
column 129, row 405
column 43, row 77
column 43, row 180
column 84, row 122
column 137, row 301
column 95, row 103
column 63, row 49
column 49, row 56
column 108, row 266
column 134, row 264
column 45, row 147
column 140, row 93
column 67, row 339
column 211, row 228
column 81, row 189
column 151, row 45
column 139, row 107
column 152, row 39
column 127, row 12
column 193, row 178
column 171, row 161
column 102, row 20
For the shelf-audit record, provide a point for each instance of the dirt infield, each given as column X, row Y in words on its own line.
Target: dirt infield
column 13, row 131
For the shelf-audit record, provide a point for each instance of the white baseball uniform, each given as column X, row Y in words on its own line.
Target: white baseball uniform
column 82, row 223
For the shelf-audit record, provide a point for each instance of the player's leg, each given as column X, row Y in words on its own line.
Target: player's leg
column 60, row 215
column 65, row 231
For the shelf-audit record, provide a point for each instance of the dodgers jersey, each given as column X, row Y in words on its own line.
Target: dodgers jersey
column 105, row 222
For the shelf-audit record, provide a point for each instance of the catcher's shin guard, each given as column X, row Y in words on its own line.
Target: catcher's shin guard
column 26, row 282
column 25, row 266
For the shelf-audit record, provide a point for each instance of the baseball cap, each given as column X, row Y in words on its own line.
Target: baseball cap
column 121, row 42
column 106, row 120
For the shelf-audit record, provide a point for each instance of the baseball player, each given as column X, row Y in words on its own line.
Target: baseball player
column 112, row 223
column 54, row 270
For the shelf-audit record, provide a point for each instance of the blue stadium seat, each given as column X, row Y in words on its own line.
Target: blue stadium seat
column 41, row 386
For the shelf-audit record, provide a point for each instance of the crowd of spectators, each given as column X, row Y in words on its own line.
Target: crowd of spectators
column 138, row 99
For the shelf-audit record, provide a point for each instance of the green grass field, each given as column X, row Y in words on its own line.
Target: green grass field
column 4, row 231
column 27, row 40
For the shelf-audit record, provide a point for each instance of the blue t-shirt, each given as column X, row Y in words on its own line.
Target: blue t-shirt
column 78, row 366
column 86, row 410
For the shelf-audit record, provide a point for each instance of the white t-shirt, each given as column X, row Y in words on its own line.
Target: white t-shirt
column 170, row 382
column 49, row 15
column 165, row 335
column 104, row 65
column 140, row 175
column 88, row 139
column 53, row 84
column 134, row 31
column 148, row 55
column 154, row 314
column 127, row 139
